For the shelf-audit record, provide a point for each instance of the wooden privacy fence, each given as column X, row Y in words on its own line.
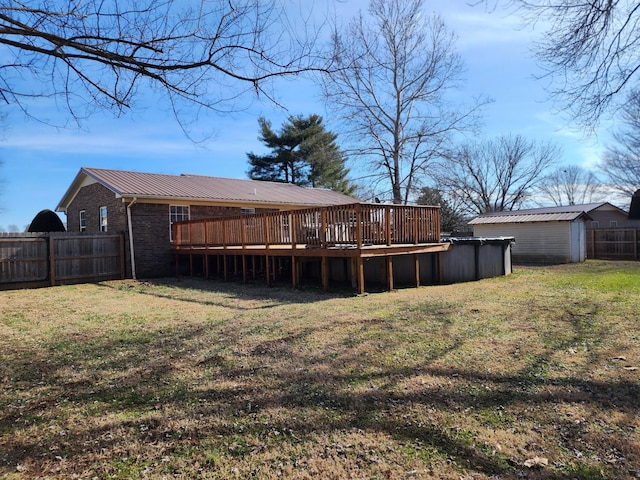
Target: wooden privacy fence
column 41, row 259
column 325, row 227
column 613, row 244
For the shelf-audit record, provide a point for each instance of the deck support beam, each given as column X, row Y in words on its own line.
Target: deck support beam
column 294, row 272
column 324, row 273
column 360, row 273
column 268, row 271
column 390, row 273
column 244, row 268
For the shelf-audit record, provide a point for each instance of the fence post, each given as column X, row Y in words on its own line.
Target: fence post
column 52, row 261
column 635, row 244
column 122, row 264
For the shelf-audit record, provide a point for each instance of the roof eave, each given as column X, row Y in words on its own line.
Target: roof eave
column 224, row 202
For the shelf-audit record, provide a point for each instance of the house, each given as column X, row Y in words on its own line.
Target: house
column 604, row 215
column 143, row 206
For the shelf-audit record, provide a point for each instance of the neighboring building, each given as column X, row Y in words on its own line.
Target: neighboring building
column 550, row 234
column 603, row 215
column 143, row 205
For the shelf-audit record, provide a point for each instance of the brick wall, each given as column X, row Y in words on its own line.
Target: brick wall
column 151, row 239
column 90, row 199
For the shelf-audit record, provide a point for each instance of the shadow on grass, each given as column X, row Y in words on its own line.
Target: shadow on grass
column 82, row 402
column 178, row 288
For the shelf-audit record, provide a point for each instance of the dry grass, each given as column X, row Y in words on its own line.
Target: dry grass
column 194, row 379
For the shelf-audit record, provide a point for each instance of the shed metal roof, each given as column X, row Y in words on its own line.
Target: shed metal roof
column 202, row 188
column 527, row 218
column 567, row 213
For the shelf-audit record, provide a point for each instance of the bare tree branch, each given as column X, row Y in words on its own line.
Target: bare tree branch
column 570, row 185
column 495, row 175
column 98, row 55
column 621, row 162
column 590, row 51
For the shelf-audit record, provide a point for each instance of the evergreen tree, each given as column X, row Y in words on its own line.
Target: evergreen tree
column 451, row 218
column 303, row 153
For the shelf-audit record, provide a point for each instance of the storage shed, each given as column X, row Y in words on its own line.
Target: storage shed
column 542, row 235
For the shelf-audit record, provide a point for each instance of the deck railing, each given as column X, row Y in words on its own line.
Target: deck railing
column 354, row 225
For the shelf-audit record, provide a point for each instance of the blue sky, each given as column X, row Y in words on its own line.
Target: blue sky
column 39, row 161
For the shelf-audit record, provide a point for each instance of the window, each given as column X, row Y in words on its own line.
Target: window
column 247, row 211
column 177, row 213
column 595, row 224
column 103, row 219
column 82, row 222
column 613, row 224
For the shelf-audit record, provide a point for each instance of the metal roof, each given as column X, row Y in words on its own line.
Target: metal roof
column 567, row 213
column 517, row 217
column 202, row 188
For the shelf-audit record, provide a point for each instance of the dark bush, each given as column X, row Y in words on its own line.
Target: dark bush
column 46, row 221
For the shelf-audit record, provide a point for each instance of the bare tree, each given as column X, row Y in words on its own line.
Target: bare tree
column 570, row 185
column 589, row 50
column 496, row 175
column 621, row 162
column 394, row 70
column 93, row 54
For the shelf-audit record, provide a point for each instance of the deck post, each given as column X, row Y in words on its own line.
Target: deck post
column 323, row 228
column 389, row 272
column 354, row 273
column 360, row 265
column 294, row 273
column 244, row 268
column 387, row 224
column 416, row 266
column 439, row 266
column 268, row 270
column 635, row 244
column 224, row 266
column 253, row 266
column 324, row 268
column 359, row 225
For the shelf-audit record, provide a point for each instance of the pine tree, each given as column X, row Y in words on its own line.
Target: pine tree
column 304, row 153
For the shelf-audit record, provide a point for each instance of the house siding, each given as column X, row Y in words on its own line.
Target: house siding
column 604, row 218
column 545, row 242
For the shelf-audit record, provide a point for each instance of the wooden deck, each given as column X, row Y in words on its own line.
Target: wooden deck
column 356, row 231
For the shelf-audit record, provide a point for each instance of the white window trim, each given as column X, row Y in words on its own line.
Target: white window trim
column 188, row 207
column 104, row 219
column 82, row 220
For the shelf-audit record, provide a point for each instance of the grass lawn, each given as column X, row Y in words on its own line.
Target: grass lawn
column 534, row 375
